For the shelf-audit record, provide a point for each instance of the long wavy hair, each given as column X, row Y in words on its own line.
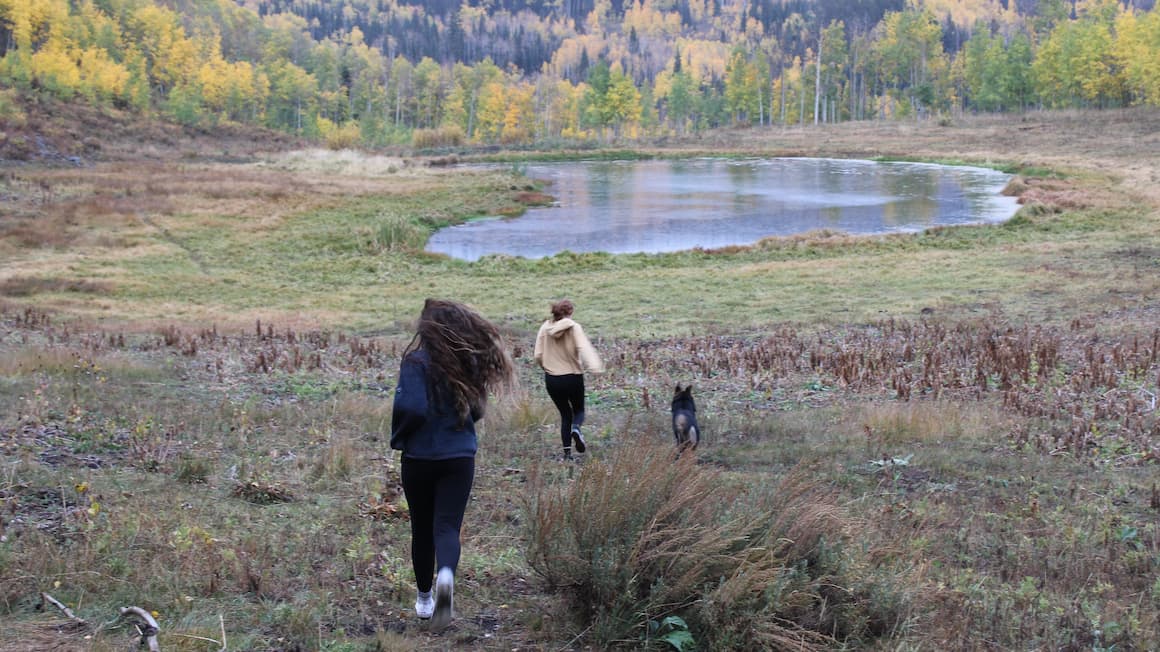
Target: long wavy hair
column 467, row 352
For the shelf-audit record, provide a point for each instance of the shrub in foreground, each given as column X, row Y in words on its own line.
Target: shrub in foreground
column 641, row 536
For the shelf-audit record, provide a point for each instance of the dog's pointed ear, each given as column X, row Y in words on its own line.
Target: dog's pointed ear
column 689, row 388
column 678, row 389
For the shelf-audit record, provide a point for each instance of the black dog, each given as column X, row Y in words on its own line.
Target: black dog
column 685, row 429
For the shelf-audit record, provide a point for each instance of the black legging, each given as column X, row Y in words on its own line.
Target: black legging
column 437, row 492
column 567, row 393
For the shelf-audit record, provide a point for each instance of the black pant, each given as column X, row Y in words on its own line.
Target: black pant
column 567, row 393
column 437, row 492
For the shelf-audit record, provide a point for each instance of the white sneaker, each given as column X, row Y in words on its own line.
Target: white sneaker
column 444, row 597
column 424, row 606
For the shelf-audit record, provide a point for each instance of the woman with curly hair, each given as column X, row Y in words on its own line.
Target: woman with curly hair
column 455, row 358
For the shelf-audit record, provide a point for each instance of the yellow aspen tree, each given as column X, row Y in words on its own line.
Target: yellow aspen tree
column 18, row 15
column 598, row 17
column 699, row 9
column 491, row 111
column 55, row 70
column 426, row 82
column 136, row 94
column 519, row 114
column 90, row 27
column 171, row 57
column 48, row 20
column 455, row 108
column 662, row 84
column 566, row 108
column 261, row 91
column 1098, row 78
column 1137, row 54
column 622, row 101
column 213, row 80
column 648, row 21
column 573, row 114
column 706, row 59
column 240, row 93
column 102, row 78
column 793, row 92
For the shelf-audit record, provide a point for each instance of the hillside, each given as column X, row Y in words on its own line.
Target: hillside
column 386, row 73
column 43, row 130
column 527, row 33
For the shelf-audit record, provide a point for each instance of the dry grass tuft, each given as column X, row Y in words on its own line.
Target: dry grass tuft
column 47, row 633
column 891, row 424
column 261, row 493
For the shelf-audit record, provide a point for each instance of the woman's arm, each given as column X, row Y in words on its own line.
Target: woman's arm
column 410, row 410
column 541, row 340
column 589, row 358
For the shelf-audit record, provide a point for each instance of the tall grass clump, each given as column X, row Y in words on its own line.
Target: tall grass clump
column 446, row 136
column 397, row 233
column 644, row 535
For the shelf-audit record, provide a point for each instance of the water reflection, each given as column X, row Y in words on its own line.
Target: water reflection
column 658, row 206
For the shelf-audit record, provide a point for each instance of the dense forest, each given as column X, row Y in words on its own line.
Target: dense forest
column 447, row 72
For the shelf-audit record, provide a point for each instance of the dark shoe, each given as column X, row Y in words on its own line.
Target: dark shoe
column 578, row 440
column 444, row 597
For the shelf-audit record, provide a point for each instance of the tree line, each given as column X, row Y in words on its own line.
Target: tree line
column 655, row 68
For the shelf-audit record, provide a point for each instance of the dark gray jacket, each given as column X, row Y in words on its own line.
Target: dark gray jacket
column 423, row 427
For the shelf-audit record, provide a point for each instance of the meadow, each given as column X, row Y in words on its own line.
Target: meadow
column 944, row 440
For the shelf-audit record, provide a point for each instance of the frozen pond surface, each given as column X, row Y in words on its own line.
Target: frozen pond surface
column 658, row 206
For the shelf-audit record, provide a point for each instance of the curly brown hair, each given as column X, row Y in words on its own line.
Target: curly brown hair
column 467, row 353
column 561, row 309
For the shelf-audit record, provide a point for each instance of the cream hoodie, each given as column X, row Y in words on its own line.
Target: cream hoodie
column 562, row 348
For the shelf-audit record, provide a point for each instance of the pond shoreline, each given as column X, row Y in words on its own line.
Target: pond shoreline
column 660, row 206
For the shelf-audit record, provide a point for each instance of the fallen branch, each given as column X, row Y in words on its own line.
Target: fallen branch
column 65, row 610
column 149, row 630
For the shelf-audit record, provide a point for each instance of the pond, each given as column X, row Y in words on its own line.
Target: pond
column 664, row 205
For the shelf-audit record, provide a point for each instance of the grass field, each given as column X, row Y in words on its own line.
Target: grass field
column 945, row 440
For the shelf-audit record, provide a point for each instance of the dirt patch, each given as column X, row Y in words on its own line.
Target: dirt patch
column 533, row 198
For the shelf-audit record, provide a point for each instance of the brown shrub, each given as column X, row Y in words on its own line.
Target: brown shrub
column 644, row 535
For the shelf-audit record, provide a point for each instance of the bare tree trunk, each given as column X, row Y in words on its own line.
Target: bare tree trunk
column 802, row 97
column 853, row 85
column 783, row 97
column 818, row 75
